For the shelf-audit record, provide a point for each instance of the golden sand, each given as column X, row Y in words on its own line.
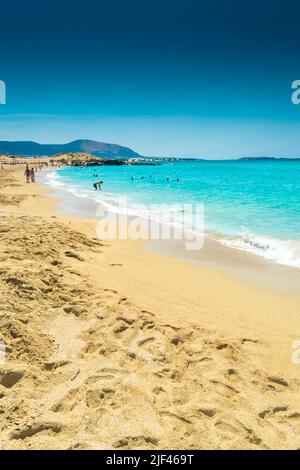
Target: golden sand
column 111, row 347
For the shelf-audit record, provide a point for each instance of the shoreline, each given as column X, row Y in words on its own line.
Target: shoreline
column 241, row 265
column 113, row 347
column 272, row 248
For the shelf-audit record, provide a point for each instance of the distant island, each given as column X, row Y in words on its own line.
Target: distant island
column 270, row 158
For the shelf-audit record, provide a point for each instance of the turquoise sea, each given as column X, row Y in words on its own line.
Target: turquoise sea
column 249, row 205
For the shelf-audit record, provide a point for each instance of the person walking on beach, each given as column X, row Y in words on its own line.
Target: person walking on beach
column 27, row 174
column 32, row 175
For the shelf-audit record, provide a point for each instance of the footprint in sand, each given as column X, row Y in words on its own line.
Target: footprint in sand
column 224, row 389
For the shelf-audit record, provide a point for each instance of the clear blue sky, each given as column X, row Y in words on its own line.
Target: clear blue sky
column 208, row 79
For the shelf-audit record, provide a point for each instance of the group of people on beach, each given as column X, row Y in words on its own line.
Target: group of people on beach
column 29, row 174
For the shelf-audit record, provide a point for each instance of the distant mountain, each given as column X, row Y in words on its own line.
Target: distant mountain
column 99, row 149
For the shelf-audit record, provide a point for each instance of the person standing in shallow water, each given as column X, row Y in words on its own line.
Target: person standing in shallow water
column 27, row 174
column 97, row 185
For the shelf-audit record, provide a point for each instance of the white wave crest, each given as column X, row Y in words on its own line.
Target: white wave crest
column 285, row 252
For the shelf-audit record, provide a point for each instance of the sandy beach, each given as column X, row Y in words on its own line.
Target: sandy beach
column 113, row 346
